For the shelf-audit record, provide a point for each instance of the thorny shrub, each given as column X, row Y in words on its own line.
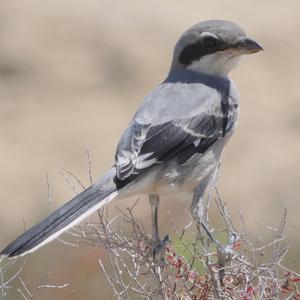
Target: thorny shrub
column 200, row 263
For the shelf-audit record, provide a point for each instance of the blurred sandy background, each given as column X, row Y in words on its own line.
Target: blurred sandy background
column 68, row 68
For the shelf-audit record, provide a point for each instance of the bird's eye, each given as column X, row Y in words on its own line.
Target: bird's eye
column 210, row 42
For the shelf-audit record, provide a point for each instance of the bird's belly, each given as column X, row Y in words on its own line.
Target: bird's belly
column 189, row 175
column 179, row 177
column 175, row 178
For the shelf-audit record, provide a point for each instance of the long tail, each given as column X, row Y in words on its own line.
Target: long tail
column 65, row 217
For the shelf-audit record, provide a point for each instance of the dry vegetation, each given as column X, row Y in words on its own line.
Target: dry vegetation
column 198, row 265
column 199, row 262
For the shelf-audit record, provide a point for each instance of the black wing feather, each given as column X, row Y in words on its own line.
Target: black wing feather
column 147, row 145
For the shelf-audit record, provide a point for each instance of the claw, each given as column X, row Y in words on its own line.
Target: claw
column 159, row 251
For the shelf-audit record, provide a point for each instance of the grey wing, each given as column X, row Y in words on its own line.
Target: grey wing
column 145, row 144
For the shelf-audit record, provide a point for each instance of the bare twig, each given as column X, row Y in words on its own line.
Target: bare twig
column 90, row 165
column 53, row 286
column 49, row 194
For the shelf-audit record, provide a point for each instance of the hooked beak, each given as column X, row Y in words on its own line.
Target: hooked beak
column 249, row 46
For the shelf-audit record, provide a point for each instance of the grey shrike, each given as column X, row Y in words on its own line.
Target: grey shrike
column 175, row 139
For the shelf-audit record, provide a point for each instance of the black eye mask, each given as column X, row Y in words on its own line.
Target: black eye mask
column 205, row 46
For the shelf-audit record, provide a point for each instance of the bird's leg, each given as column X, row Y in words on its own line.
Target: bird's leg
column 158, row 245
column 154, row 203
column 199, row 207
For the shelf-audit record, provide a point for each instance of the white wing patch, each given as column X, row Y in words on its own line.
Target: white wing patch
column 188, row 130
column 142, row 161
column 207, row 34
column 129, row 161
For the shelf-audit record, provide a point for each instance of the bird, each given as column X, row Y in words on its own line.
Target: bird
column 175, row 139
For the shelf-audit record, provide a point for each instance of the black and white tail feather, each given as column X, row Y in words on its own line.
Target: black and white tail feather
column 67, row 216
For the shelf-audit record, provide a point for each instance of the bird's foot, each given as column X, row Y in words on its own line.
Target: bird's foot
column 159, row 249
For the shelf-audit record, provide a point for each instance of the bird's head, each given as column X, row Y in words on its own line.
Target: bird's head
column 213, row 47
